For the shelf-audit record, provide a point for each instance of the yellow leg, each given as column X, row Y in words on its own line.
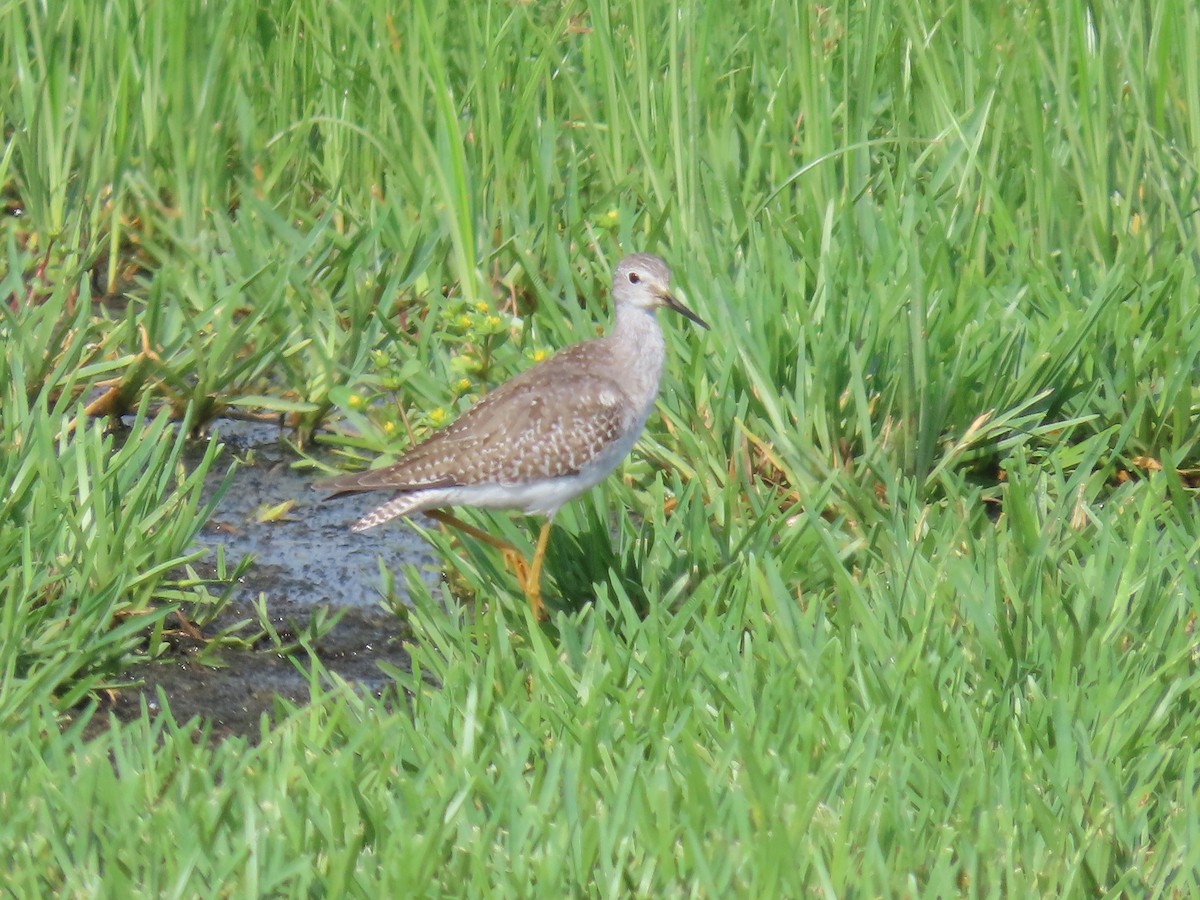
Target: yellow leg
column 533, row 581
column 528, row 574
column 478, row 533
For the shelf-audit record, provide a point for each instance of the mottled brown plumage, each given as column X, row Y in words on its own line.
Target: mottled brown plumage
column 548, row 434
column 544, row 423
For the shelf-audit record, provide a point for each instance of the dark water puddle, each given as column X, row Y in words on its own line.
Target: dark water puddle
column 247, row 684
column 309, row 556
column 306, row 563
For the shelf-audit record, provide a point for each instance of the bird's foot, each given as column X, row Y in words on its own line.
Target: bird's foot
column 529, row 581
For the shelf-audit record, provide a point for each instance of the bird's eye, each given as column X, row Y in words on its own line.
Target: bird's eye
column 634, row 278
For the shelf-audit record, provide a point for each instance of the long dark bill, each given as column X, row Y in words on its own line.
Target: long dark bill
column 670, row 302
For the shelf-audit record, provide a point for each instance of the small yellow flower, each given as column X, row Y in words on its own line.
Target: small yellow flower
column 480, row 306
column 389, row 428
column 538, row 355
column 463, row 384
column 492, row 321
column 357, row 401
column 438, row 416
column 464, row 321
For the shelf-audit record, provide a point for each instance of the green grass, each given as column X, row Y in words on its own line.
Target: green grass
column 905, row 601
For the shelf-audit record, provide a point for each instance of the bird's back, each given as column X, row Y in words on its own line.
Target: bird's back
column 546, row 422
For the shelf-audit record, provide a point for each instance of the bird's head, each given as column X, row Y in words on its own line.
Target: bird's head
column 644, row 280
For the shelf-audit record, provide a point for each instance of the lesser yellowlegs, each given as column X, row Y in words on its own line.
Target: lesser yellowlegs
column 545, row 436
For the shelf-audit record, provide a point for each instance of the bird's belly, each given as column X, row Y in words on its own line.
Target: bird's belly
column 534, row 497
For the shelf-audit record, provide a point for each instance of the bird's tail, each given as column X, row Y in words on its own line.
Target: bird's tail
column 393, row 509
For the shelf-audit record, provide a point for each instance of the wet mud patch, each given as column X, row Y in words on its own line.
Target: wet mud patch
column 306, row 565
column 232, row 689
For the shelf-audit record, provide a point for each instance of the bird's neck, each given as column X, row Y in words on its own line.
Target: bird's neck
column 637, row 347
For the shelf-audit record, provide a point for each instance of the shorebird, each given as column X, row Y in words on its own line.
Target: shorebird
column 543, row 437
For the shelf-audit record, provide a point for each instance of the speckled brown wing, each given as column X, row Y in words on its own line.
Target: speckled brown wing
column 546, row 422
